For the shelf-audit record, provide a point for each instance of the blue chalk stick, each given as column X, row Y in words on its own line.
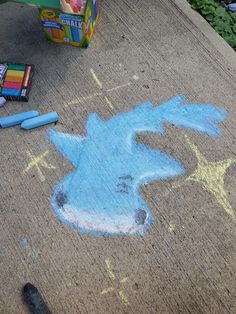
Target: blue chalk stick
column 75, row 34
column 17, row 118
column 40, row 121
column 11, row 92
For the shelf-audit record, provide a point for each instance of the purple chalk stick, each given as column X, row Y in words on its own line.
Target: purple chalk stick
column 2, row 101
column 232, row 7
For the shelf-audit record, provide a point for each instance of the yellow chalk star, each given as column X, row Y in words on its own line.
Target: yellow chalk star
column 111, row 273
column 38, row 162
column 110, row 269
column 211, row 176
column 105, row 291
column 123, row 297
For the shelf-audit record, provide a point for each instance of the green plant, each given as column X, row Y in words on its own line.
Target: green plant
column 221, row 20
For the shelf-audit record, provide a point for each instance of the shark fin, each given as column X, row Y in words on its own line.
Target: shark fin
column 69, row 145
column 93, row 123
column 204, row 118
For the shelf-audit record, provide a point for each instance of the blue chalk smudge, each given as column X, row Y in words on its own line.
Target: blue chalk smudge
column 23, row 242
column 102, row 196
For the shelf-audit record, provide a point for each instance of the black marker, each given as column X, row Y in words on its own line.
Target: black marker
column 34, row 300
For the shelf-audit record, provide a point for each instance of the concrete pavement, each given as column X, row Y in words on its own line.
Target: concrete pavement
column 186, row 261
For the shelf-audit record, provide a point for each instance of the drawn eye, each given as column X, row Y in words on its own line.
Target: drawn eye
column 61, row 199
column 140, row 217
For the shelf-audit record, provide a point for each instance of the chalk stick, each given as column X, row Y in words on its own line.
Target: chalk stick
column 34, row 300
column 51, row 117
column 27, row 76
column 12, row 85
column 2, row 101
column 11, row 92
column 15, row 73
column 17, row 118
column 3, row 70
column 13, row 79
column 16, row 67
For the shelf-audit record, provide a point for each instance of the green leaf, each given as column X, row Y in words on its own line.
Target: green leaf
column 224, row 22
column 220, row 11
column 210, row 17
column 231, row 40
column 208, row 10
column 219, row 26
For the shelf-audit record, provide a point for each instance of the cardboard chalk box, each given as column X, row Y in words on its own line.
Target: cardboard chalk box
column 69, row 28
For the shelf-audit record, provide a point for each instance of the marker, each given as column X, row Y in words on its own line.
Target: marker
column 34, row 300
column 51, row 117
column 17, row 118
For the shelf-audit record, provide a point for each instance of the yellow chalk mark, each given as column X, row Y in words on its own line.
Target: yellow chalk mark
column 110, row 269
column 38, row 162
column 172, row 226
column 111, row 273
column 83, row 99
column 173, row 187
column 118, row 87
column 109, row 103
column 211, row 176
column 105, row 291
column 103, row 93
column 123, row 297
column 96, row 78
column 124, row 280
column 135, row 77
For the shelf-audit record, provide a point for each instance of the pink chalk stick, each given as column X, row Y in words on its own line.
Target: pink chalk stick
column 12, row 85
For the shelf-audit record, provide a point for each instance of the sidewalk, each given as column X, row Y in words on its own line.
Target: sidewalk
column 143, row 51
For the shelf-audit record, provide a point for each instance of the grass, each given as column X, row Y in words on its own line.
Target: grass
column 219, row 18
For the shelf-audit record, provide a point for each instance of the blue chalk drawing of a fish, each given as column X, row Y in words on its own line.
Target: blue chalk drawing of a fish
column 102, row 196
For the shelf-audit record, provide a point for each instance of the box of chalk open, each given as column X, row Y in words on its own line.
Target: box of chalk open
column 15, row 81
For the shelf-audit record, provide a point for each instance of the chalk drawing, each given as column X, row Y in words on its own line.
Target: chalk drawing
column 135, row 77
column 102, row 196
column 23, row 241
column 34, row 254
column 37, row 162
column 210, row 175
column 110, row 269
column 99, row 83
column 103, row 93
column 120, row 293
column 172, row 226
